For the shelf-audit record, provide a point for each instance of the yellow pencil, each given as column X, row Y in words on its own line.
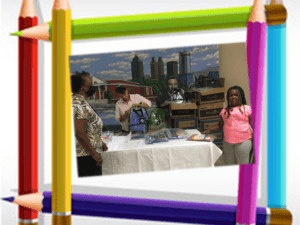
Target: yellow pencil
column 61, row 114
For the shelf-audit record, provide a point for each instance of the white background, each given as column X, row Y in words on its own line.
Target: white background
column 181, row 185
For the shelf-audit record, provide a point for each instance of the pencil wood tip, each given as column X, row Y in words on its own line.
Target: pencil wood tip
column 19, row 34
column 258, row 12
column 28, row 9
column 61, row 5
column 9, row 199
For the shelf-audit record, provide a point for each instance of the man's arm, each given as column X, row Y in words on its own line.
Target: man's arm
column 145, row 102
column 120, row 117
column 123, row 117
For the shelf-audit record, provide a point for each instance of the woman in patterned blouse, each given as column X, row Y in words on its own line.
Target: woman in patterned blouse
column 88, row 127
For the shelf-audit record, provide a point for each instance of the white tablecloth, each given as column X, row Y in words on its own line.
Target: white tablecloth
column 134, row 156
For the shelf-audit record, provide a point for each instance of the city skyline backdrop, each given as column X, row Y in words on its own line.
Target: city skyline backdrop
column 117, row 65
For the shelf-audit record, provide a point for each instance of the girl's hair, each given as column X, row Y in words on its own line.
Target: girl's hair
column 77, row 81
column 242, row 99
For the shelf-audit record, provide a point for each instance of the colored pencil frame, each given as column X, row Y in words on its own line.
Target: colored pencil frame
column 248, row 177
column 61, row 114
column 28, row 112
column 153, row 210
column 106, row 27
column 276, row 70
column 180, row 29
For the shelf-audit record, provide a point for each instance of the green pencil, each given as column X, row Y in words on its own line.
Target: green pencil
column 196, row 20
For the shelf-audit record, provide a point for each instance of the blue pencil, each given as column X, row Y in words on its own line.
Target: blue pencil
column 152, row 209
column 276, row 66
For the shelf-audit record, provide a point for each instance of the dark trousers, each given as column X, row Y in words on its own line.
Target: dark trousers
column 87, row 166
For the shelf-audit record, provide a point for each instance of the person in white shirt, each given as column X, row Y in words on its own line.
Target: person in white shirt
column 125, row 103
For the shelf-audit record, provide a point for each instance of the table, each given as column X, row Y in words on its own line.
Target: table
column 134, row 156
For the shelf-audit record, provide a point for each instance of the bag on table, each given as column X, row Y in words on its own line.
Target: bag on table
column 156, row 137
column 135, row 135
column 157, row 119
column 138, row 120
column 176, row 133
column 107, row 136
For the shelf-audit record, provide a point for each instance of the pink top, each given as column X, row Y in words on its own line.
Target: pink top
column 237, row 128
column 122, row 107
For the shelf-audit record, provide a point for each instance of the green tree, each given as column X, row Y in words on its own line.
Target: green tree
column 109, row 94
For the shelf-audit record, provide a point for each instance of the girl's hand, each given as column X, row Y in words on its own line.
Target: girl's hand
column 205, row 132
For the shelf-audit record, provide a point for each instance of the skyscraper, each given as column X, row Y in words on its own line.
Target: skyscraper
column 154, row 69
column 161, row 69
column 184, row 62
column 172, row 69
column 137, row 68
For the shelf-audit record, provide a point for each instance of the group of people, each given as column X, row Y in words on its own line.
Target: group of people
column 235, row 121
column 88, row 125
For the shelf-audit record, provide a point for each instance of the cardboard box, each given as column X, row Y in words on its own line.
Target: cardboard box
column 183, row 110
column 208, row 95
column 185, row 123
column 207, row 124
column 208, row 111
column 211, row 106
column 211, row 96
column 218, row 135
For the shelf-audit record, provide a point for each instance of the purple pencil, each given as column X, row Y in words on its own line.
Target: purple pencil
column 248, row 177
column 152, row 209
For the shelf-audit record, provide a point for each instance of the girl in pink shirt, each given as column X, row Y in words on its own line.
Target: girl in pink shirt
column 236, row 122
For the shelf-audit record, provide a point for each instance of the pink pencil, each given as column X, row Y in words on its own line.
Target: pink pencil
column 248, row 178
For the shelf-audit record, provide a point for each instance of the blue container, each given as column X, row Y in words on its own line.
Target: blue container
column 186, row 123
column 207, row 124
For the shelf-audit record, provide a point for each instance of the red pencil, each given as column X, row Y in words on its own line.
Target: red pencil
column 28, row 111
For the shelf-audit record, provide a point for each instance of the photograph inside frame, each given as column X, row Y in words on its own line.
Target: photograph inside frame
column 161, row 109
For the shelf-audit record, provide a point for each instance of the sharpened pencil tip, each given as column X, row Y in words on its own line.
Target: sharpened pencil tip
column 10, row 199
column 19, row 33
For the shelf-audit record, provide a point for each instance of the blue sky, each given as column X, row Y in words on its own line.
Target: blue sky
column 118, row 65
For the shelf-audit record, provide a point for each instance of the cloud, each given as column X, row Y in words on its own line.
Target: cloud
column 172, row 57
column 111, row 72
column 87, row 66
column 163, row 49
column 84, row 60
column 197, row 59
column 120, row 64
column 193, row 64
column 209, row 56
column 208, row 64
column 204, row 49
column 130, row 56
